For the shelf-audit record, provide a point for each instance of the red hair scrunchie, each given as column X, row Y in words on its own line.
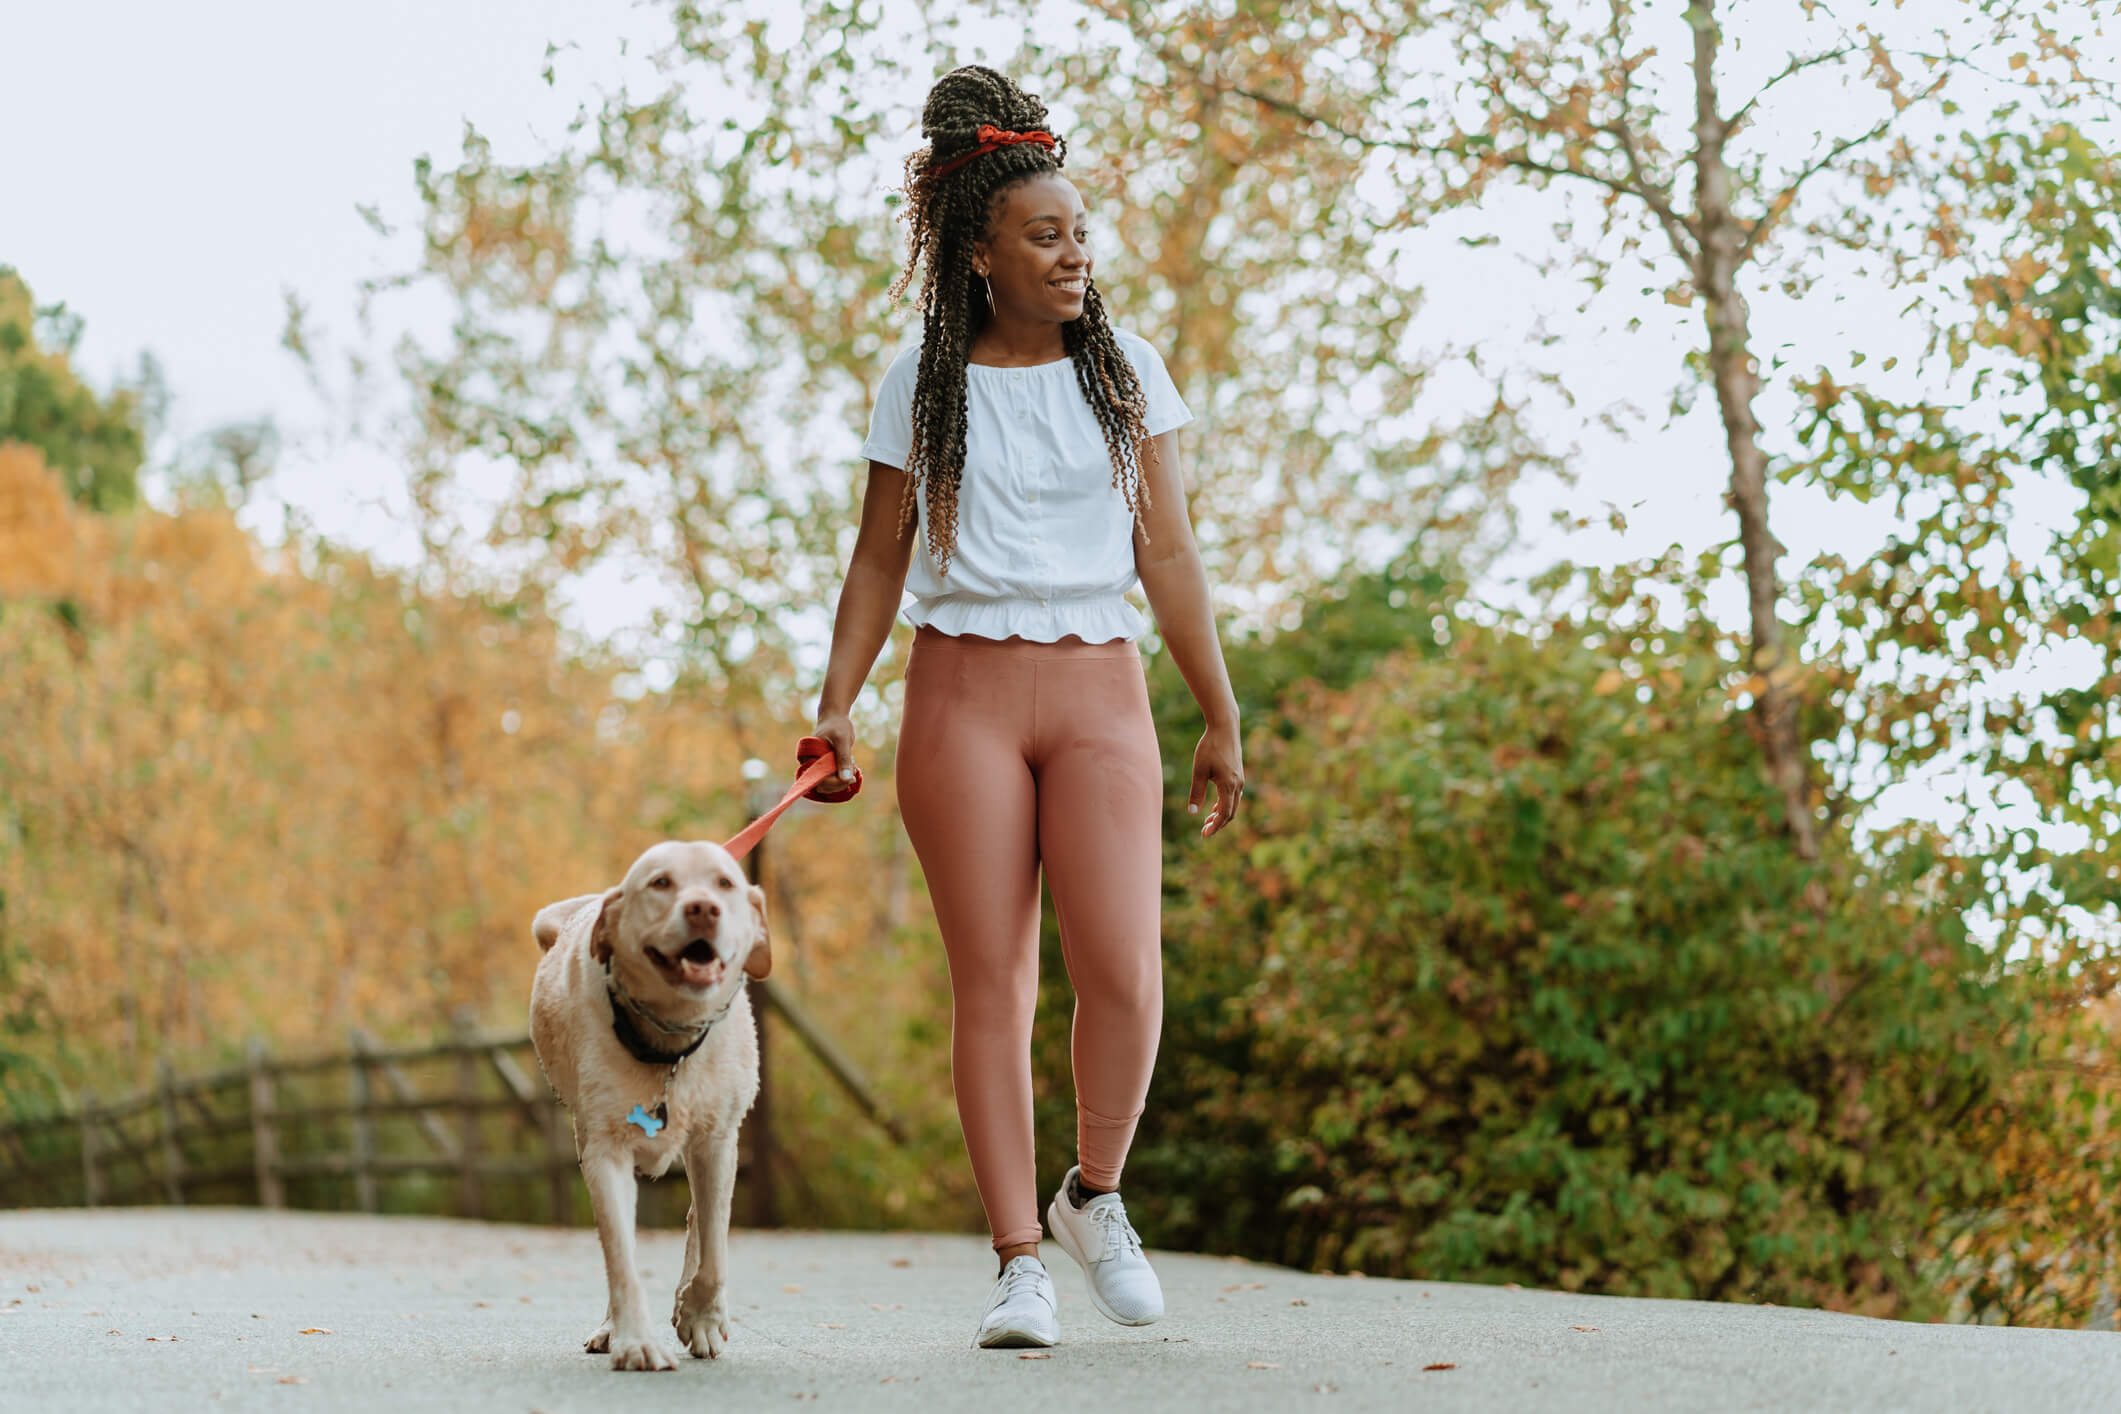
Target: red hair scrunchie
column 990, row 138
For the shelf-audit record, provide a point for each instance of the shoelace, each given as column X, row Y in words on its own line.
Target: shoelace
column 1120, row 1237
column 1017, row 1278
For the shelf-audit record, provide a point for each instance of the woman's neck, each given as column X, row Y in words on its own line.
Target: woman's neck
column 1005, row 343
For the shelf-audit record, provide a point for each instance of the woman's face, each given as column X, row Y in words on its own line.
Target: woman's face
column 1035, row 253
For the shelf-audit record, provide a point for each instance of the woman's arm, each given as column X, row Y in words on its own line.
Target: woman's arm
column 869, row 600
column 1177, row 586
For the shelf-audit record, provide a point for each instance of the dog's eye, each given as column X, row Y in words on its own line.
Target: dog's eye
column 660, row 881
column 727, row 882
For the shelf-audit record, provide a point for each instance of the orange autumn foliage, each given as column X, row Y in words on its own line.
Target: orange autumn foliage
column 286, row 793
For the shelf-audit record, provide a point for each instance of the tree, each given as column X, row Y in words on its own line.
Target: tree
column 281, row 793
column 96, row 442
column 1454, row 100
column 683, row 391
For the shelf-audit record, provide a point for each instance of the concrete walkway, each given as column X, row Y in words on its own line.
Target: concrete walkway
column 218, row 1309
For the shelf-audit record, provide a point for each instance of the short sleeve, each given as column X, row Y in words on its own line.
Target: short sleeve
column 1166, row 408
column 891, row 416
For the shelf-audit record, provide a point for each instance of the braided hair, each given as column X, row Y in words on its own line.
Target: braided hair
column 950, row 204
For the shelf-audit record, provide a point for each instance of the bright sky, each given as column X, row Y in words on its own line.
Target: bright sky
column 173, row 169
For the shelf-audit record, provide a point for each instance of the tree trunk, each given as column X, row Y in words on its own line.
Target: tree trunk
column 1732, row 368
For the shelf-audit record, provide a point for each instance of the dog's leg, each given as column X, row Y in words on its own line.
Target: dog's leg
column 632, row 1340
column 600, row 1339
column 710, row 1170
column 692, row 1251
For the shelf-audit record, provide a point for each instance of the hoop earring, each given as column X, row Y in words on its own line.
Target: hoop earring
column 990, row 294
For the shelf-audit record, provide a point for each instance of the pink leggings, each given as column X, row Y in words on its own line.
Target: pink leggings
column 1014, row 754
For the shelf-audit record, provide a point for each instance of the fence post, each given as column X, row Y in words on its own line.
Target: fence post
column 264, row 1138
column 172, row 1152
column 91, row 1181
column 364, row 1124
column 470, row 1192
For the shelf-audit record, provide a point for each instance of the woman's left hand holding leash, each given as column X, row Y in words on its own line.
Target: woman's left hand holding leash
column 1219, row 758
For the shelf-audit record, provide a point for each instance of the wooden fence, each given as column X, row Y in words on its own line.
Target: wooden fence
column 466, row 1125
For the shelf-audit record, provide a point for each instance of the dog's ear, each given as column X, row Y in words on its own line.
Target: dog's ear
column 555, row 916
column 604, row 935
column 760, row 963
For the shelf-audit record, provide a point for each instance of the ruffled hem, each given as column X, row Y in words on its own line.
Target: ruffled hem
column 1098, row 620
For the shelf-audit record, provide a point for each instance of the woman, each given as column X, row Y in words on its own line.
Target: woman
column 1023, row 465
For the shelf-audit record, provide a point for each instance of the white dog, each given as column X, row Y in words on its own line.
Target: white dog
column 642, row 1025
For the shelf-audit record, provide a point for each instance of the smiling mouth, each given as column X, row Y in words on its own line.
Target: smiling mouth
column 1072, row 286
column 697, row 965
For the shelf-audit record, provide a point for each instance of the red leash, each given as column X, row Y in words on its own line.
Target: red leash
column 814, row 762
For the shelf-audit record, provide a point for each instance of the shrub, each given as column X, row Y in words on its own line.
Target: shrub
column 1508, row 975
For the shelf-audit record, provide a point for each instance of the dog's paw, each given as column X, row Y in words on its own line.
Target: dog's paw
column 599, row 1340
column 640, row 1351
column 703, row 1325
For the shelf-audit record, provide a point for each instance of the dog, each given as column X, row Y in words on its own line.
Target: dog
column 641, row 1022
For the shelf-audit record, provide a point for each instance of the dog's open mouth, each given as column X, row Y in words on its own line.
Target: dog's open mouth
column 697, row 966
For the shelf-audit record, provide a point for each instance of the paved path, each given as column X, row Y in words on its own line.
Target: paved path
column 208, row 1309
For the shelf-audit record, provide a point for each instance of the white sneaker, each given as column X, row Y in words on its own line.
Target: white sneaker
column 1102, row 1241
column 1022, row 1309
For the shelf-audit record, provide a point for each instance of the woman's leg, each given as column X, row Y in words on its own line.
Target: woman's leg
column 1100, row 818
column 966, row 795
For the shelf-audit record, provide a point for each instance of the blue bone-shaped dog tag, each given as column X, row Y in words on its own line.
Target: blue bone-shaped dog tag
column 649, row 1123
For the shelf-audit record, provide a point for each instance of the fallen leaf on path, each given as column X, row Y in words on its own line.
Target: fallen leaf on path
column 829, row 1325
column 1442, row 1365
column 1261, row 1365
column 901, row 1261
column 1325, row 1389
column 1511, row 1286
column 291, row 1380
column 263, row 1369
column 791, row 1287
column 316, row 1330
column 114, row 1331
column 1299, row 1301
column 1247, row 1286
column 1034, row 1355
column 894, row 1306
column 1583, row 1328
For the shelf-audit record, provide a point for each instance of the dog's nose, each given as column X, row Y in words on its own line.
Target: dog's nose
column 702, row 910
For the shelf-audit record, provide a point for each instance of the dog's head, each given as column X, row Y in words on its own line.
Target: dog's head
column 682, row 922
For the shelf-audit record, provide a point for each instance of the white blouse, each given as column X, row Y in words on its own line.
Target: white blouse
column 1045, row 543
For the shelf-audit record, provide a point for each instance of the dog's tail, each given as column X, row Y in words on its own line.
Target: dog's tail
column 555, row 916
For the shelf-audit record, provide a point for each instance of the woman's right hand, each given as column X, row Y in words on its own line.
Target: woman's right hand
column 837, row 731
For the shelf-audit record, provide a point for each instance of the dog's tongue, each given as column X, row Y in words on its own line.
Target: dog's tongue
column 698, row 966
